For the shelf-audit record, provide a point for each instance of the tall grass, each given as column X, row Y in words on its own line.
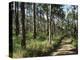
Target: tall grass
column 35, row 47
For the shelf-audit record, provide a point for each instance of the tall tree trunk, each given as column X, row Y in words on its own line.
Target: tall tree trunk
column 34, row 33
column 40, row 28
column 23, row 42
column 74, row 20
column 47, row 22
column 16, row 19
column 53, row 29
column 26, row 21
column 37, row 18
column 11, row 18
column 50, row 26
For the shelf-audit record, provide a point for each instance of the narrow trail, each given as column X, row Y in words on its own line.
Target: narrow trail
column 65, row 48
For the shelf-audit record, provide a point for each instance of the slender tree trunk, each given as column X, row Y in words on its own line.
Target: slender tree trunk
column 11, row 12
column 26, row 20
column 53, row 28
column 16, row 19
column 47, row 22
column 38, row 21
column 74, row 21
column 50, row 26
column 23, row 42
column 34, row 33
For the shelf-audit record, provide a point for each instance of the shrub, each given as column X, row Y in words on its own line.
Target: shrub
column 74, row 43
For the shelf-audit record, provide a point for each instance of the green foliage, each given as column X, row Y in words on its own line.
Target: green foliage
column 16, row 43
column 33, row 48
column 74, row 43
column 36, row 47
column 56, row 40
column 37, row 44
column 41, row 36
column 39, row 20
column 29, row 35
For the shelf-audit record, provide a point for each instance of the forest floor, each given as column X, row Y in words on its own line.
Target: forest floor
column 65, row 48
column 62, row 45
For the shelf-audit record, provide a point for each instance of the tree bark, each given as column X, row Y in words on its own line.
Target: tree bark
column 50, row 26
column 23, row 42
column 34, row 33
column 47, row 22
column 16, row 19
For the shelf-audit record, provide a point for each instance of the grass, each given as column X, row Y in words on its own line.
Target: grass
column 35, row 47
column 74, row 43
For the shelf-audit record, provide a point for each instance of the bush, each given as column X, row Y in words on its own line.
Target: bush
column 74, row 43
column 29, row 35
column 37, row 48
column 34, row 47
column 41, row 37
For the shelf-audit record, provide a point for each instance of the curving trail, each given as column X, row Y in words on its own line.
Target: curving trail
column 65, row 48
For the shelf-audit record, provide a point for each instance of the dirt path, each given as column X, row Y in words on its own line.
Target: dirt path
column 65, row 48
